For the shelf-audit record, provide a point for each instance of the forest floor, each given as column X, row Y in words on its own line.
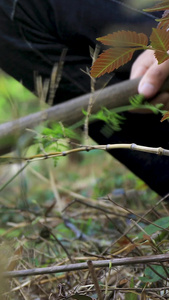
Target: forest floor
column 89, row 208
column 86, row 228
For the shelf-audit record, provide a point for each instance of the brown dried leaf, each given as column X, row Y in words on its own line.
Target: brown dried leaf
column 163, row 5
column 160, row 42
column 124, row 39
column 110, row 60
column 165, row 117
column 164, row 21
column 122, row 283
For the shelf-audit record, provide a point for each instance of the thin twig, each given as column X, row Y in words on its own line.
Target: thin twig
column 138, row 216
column 156, row 296
column 158, row 274
column 96, row 264
column 62, row 246
column 56, row 77
column 92, row 99
column 164, row 288
column 13, row 177
column 76, row 196
column 102, row 209
column 131, row 227
column 158, row 151
column 94, row 278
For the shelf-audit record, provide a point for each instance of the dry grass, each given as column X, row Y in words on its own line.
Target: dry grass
column 57, row 216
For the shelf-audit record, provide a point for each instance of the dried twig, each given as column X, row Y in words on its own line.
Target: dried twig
column 134, row 147
column 131, row 227
column 96, row 264
column 91, row 100
column 138, row 216
column 95, row 280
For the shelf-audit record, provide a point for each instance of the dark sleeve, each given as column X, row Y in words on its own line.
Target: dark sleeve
column 85, row 20
column 33, row 35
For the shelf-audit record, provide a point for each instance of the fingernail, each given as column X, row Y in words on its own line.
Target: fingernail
column 147, row 89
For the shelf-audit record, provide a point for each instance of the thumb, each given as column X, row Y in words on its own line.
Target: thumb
column 153, row 79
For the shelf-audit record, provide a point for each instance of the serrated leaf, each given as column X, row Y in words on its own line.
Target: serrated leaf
column 163, row 5
column 136, row 100
column 160, row 41
column 124, row 39
column 124, row 44
column 164, row 21
column 165, row 117
column 110, row 60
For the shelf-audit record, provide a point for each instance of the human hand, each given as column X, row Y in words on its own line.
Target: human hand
column 153, row 76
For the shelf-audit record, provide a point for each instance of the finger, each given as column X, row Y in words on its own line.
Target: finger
column 142, row 64
column 153, row 79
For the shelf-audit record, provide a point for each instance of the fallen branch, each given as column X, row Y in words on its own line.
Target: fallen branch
column 70, row 111
column 96, row 264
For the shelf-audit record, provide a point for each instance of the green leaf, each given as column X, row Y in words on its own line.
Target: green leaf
column 131, row 296
column 36, row 220
column 151, row 276
column 152, row 228
column 136, row 100
column 81, row 297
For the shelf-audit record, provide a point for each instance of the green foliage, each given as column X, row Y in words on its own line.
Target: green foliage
column 151, row 276
column 114, row 118
column 131, row 296
column 152, row 228
column 58, row 131
column 112, row 121
column 81, row 297
column 138, row 102
column 63, row 232
column 56, row 138
column 15, row 99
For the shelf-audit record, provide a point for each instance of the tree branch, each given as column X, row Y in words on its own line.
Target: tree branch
column 96, row 264
column 70, row 112
column 134, row 147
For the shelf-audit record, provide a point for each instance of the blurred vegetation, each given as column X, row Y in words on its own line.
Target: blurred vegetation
column 15, row 100
column 56, row 213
